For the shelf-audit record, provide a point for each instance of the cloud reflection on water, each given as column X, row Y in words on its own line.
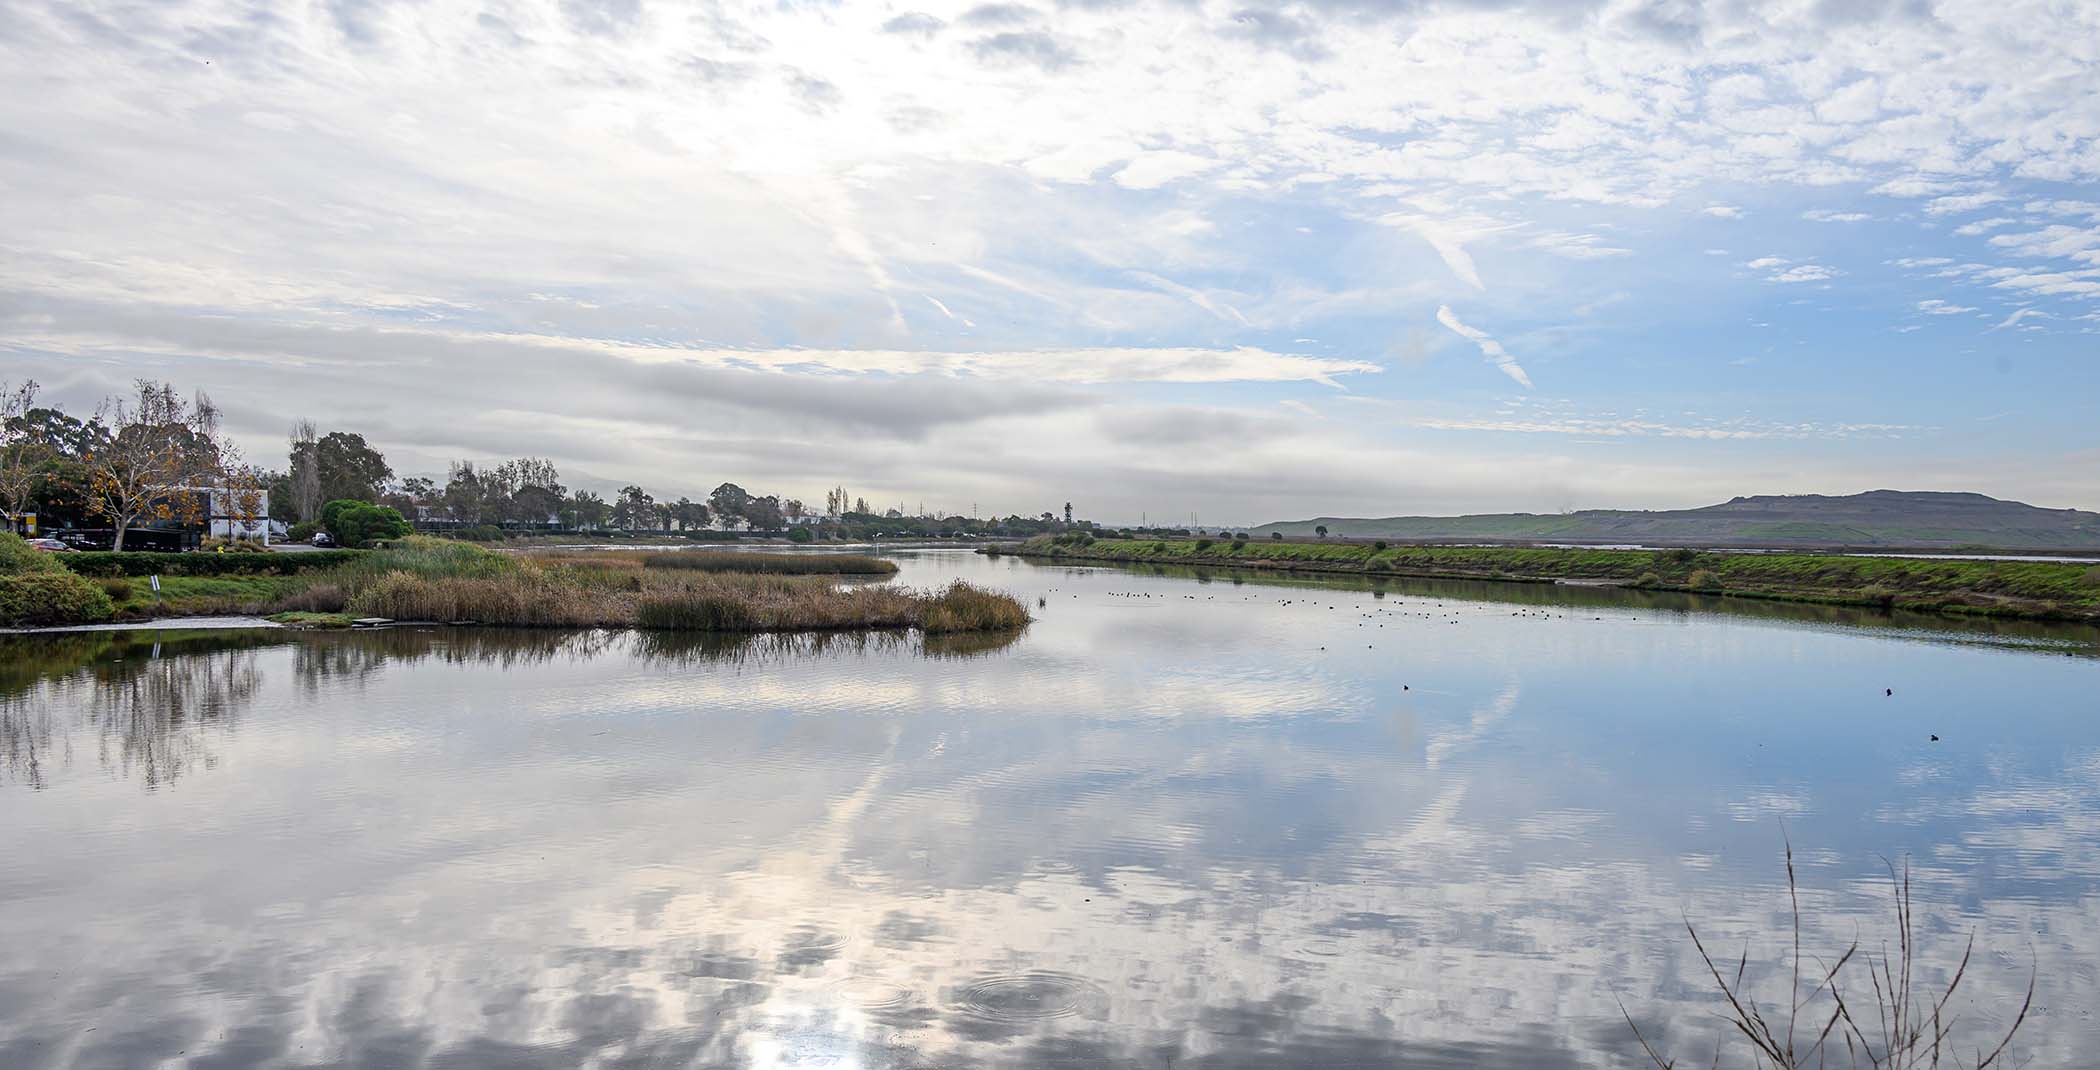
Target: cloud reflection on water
column 469, row 849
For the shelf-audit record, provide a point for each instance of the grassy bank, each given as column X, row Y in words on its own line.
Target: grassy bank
column 426, row 579
column 2037, row 589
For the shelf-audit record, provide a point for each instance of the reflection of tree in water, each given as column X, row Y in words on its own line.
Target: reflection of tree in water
column 336, row 657
column 155, row 700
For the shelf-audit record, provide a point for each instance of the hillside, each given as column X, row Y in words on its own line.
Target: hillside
column 1887, row 518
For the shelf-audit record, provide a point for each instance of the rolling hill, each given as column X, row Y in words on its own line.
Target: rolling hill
column 1885, row 518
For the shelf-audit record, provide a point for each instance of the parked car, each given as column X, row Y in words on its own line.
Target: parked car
column 322, row 538
column 52, row 545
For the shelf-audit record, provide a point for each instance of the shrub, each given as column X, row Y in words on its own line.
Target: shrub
column 1704, row 580
column 302, row 531
column 1678, row 558
column 17, row 557
column 1647, row 579
column 1878, row 595
column 479, row 533
column 1159, row 546
column 39, row 597
column 799, row 535
column 118, row 588
column 232, row 546
column 146, row 563
column 1239, row 543
column 356, row 523
column 1203, row 544
column 1276, row 536
column 1380, row 544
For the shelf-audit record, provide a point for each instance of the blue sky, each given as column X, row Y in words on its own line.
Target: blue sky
column 1246, row 261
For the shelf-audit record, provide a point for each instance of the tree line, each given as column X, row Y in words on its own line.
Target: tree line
column 142, row 458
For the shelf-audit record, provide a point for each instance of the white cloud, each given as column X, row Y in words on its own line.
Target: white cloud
column 1723, row 211
column 1151, row 170
column 1825, row 215
column 1981, row 226
column 1803, row 273
column 1937, row 307
column 2018, row 316
column 1763, row 262
column 1967, row 202
column 1489, row 348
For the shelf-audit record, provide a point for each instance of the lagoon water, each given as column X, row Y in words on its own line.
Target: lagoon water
column 1184, row 820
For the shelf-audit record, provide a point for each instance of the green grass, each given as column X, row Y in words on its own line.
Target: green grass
column 2012, row 588
column 303, row 619
column 188, row 596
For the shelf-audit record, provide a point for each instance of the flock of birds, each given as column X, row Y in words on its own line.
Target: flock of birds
column 1372, row 617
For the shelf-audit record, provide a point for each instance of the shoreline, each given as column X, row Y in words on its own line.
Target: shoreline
column 1933, row 586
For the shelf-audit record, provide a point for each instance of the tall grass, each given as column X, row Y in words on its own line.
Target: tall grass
column 966, row 608
column 429, row 579
column 773, row 564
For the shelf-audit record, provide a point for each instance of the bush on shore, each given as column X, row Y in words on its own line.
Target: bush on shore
column 36, row 589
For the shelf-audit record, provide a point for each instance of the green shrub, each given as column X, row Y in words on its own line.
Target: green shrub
column 1704, row 580
column 40, row 597
column 143, row 563
column 118, row 588
column 1239, row 543
column 1878, row 595
column 1647, row 579
column 1380, row 544
column 302, row 531
column 479, row 533
column 799, row 535
column 1203, row 544
column 1677, row 558
column 1159, row 546
column 17, row 556
column 356, row 523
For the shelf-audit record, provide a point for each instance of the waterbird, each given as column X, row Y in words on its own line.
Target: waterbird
column 1935, row 739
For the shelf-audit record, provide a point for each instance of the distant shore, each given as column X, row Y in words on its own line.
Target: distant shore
column 2035, row 590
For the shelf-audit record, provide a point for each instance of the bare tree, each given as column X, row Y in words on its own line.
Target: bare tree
column 306, row 470
column 20, row 452
column 161, row 456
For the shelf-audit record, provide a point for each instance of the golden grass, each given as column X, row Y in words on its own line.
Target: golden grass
column 623, row 590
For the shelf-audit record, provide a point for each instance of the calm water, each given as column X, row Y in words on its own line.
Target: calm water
column 1183, row 821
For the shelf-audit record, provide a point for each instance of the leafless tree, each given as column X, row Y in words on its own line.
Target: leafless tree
column 306, row 470
column 20, row 453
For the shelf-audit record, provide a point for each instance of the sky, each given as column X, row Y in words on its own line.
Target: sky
column 1233, row 261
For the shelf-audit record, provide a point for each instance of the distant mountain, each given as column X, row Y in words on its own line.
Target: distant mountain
column 1888, row 518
